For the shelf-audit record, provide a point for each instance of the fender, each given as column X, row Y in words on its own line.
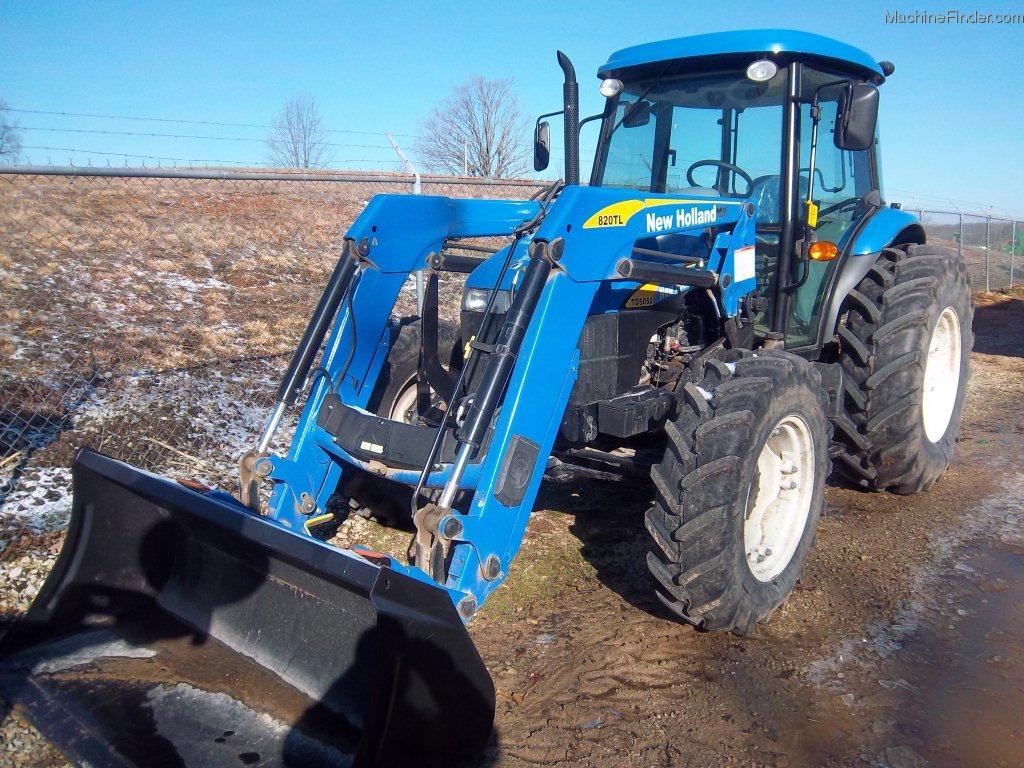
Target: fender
column 864, row 243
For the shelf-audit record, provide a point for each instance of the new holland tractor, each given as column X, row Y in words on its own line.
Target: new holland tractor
column 729, row 293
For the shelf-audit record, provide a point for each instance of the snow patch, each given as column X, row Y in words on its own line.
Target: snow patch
column 211, row 730
column 996, row 517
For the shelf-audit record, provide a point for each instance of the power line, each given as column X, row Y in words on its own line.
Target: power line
column 193, row 122
column 181, row 136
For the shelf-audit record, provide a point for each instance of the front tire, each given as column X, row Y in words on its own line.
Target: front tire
column 395, row 394
column 739, row 490
column 905, row 346
column 395, row 398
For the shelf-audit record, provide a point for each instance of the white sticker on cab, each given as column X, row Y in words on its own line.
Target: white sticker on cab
column 743, row 264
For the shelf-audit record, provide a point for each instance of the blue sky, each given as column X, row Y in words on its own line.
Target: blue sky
column 951, row 115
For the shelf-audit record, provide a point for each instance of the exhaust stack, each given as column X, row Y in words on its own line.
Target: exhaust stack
column 571, row 105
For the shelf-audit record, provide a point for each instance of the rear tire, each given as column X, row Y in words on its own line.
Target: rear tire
column 725, row 461
column 905, row 345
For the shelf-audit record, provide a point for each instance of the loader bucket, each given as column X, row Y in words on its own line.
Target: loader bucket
column 180, row 630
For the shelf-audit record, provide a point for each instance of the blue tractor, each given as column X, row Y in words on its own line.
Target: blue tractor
column 728, row 297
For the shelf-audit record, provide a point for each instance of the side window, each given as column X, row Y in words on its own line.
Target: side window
column 841, row 178
column 758, row 152
column 630, row 152
column 840, row 181
column 759, row 141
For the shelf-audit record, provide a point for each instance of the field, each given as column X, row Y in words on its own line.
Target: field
column 150, row 318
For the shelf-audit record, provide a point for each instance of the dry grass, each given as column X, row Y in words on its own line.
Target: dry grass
column 126, row 274
column 151, row 318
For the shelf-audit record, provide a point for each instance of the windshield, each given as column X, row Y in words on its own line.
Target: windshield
column 697, row 134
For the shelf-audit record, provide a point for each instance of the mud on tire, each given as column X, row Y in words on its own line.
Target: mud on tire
column 707, row 484
column 888, row 324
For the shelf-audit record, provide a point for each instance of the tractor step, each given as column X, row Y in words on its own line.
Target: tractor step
column 635, row 412
column 179, row 629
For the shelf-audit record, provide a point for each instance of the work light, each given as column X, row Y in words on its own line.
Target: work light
column 762, row 71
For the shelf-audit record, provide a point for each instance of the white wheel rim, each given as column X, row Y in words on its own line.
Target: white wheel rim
column 785, row 488
column 941, row 375
column 405, row 403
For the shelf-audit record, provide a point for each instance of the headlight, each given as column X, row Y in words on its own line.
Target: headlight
column 475, row 300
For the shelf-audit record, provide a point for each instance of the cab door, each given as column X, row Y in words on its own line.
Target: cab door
column 841, row 180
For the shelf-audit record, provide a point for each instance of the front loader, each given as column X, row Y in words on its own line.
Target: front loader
column 728, row 301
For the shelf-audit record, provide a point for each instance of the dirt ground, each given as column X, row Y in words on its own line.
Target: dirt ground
column 901, row 647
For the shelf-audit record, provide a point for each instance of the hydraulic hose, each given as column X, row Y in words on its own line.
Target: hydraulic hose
column 312, row 339
column 501, row 362
column 545, row 199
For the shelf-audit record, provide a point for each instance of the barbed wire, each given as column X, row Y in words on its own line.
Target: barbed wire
column 960, row 205
column 207, row 161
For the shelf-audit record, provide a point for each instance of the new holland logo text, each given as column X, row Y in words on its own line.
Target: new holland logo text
column 681, row 218
column 694, row 213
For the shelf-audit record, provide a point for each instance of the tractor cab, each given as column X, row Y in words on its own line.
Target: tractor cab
column 782, row 119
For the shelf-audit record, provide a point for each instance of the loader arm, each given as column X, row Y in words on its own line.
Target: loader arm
column 596, row 230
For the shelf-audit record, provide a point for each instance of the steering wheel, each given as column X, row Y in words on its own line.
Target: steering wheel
column 735, row 169
column 850, row 202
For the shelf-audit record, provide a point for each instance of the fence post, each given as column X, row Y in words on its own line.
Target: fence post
column 1013, row 247
column 416, row 190
column 960, row 245
column 988, row 247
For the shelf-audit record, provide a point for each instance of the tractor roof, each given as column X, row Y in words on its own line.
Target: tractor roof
column 752, row 41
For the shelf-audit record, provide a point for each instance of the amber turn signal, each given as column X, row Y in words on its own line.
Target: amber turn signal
column 823, row 250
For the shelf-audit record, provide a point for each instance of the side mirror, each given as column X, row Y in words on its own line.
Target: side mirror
column 855, row 122
column 637, row 114
column 541, row 146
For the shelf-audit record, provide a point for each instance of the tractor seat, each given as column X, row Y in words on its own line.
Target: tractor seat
column 767, row 197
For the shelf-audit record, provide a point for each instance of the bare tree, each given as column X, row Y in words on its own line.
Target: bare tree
column 297, row 139
column 478, row 131
column 10, row 140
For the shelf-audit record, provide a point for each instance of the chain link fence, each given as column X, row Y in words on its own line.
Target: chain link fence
column 991, row 246
column 149, row 313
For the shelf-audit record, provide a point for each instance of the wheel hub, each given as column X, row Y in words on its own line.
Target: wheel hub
column 784, row 490
column 405, row 408
column 941, row 375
